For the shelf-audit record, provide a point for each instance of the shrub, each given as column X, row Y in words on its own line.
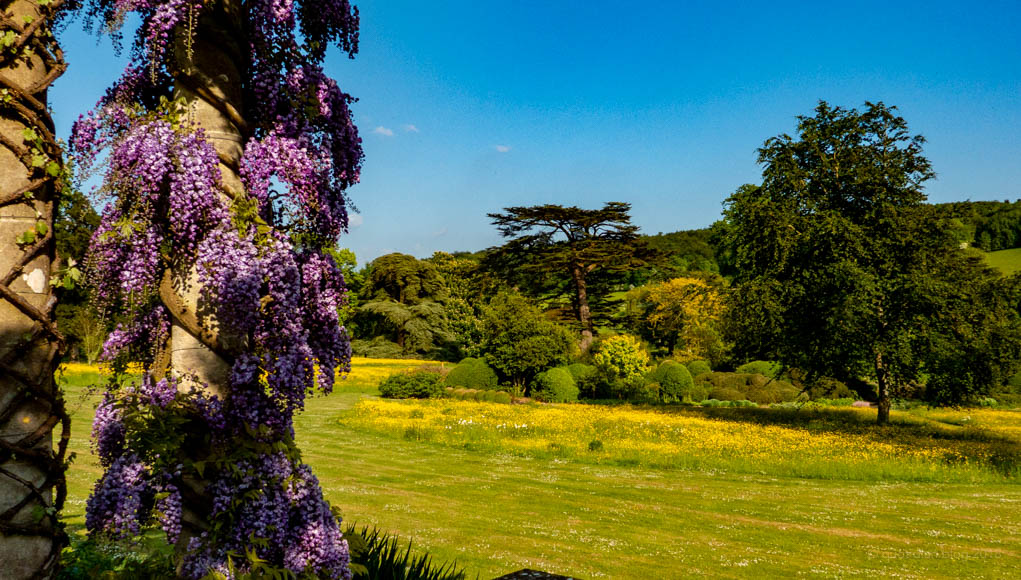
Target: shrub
column 753, row 387
column 765, row 368
column 592, row 385
column 698, row 367
column 827, row 388
column 635, row 388
column 472, row 373
column 620, row 368
column 621, row 357
column 580, row 370
column 411, row 385
column 377, row 347
column 381, row 555
column 555, row 386
column 676, row 384
column 502, row 397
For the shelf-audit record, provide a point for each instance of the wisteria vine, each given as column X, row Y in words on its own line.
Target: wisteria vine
column 264, row 270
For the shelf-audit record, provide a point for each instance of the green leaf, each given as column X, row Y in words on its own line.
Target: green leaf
column 7, row 39
column 26, row 238
column 38, row 160
column 41, row 228
column 53, row 169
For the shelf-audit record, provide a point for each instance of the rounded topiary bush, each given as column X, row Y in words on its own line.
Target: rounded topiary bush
column 555, row 386
column 768, row 369
column 828, row 388
column 502, row 397
column 411, row 385
column 753, row 387
column 698, row 367
column 676, row 384
column 472, row 373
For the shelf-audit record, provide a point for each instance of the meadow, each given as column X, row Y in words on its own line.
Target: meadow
column 666, row 492
column 829, row 443
column 1007, row 261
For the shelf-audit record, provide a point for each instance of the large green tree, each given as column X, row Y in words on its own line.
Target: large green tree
column 519, row 342
column 403, row 299
column 570, row 245
column 843, row 271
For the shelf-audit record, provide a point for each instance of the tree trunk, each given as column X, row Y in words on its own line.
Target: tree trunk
column 32, row 487
column 584, row 314
column 883, row 417
column 208, row 76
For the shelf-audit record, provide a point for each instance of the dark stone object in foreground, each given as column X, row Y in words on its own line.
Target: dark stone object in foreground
column 527, row 574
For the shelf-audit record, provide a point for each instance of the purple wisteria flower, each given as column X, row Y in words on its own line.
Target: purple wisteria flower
column 264, row 274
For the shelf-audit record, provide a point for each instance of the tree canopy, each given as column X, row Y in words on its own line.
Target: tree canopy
column 519, row 342
column 841, row 269
column 403, row 299
column 569, row 244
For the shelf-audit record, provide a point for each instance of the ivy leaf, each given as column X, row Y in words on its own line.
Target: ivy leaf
column 7, row 39
column 41, row 228
column 53, row 169
column 26, row 238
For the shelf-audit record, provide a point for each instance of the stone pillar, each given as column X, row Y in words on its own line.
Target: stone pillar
column 207, row 75
column 31, row 470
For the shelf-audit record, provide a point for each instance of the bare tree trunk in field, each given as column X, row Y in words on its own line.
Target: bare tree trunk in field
column 883, row 416
column 32, row 487
column 208, row 77
column 584, row 314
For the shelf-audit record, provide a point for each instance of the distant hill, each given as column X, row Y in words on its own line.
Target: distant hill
column 989, row 225
column 992, row 226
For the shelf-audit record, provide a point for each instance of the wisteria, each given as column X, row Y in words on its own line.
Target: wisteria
column 265, row 276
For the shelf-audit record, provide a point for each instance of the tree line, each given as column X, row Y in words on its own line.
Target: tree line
column 834, row 266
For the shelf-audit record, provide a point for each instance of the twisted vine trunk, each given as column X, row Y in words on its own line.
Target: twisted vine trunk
column 208, row 76
column 32, row 485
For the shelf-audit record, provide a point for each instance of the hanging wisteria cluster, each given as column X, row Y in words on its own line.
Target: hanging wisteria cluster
column 263, row 266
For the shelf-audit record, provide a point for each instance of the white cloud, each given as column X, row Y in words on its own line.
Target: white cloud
column 411, row 128
column 354, row 220
column 381, row 130
column 440, row 233
column 502, row 148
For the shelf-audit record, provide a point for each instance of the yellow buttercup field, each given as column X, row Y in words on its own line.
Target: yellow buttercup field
column 831, row 443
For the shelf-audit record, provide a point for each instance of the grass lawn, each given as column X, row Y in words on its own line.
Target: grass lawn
column 495, row 511
column 1007, row 261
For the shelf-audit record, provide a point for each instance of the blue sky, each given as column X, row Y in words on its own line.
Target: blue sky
column 466, row 107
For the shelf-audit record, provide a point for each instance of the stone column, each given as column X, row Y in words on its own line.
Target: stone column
column 31, row 470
